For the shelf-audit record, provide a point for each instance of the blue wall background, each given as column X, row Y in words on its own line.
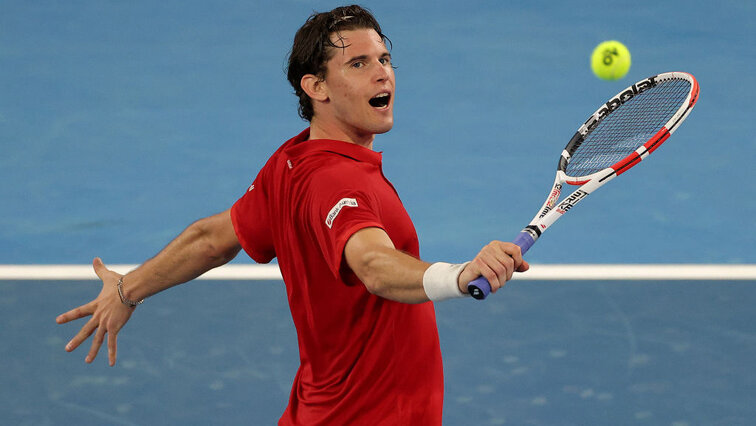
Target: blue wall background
column 120, row 123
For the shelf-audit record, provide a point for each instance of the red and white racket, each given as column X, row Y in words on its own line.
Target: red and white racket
column 620, row 134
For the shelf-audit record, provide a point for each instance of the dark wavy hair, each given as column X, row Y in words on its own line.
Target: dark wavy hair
column 313, row 46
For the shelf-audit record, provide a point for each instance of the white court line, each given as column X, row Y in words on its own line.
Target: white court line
column 649, row 272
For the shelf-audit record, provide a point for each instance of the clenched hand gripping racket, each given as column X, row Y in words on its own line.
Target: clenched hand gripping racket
column 615, row 138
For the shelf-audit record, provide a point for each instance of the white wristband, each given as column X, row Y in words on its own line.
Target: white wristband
column 440, row 281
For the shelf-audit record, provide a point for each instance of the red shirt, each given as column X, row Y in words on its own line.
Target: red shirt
column 363, row 359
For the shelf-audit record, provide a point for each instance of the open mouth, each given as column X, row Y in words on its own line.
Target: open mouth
column 380, row 101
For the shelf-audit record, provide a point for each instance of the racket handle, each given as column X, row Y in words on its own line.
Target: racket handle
column 479, row 288
column 525, row 240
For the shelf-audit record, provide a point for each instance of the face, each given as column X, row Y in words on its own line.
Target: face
column 359, row 85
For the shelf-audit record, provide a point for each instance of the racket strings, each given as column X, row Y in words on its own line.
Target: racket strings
column 628, row 127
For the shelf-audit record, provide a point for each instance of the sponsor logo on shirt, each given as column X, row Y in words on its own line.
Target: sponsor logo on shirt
column 344, row 202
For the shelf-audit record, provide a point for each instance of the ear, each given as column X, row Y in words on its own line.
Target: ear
column 314, row 87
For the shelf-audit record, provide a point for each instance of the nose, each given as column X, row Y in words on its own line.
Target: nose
column 382, row 73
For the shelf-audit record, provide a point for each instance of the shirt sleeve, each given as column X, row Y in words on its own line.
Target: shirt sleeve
column 251, row 219
column 336, row 214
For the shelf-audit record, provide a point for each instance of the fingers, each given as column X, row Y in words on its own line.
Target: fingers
column 74, row 314
column 108, row 317
column 498, row 261
column 99, row 268
column 89, row 308
column 82, row 335
column 99, row 337
column 99, row 331
column 496, row 266
column 112, row 348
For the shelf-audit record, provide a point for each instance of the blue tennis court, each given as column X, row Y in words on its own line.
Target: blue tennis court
column 657, row 353
column 121, row 123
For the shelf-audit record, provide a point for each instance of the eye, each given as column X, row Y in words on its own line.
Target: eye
column 385, row 61
column 358, row 64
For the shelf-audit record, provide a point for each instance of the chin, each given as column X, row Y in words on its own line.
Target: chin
column 384, row 128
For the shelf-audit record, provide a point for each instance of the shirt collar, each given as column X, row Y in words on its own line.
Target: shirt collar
column 302, row 146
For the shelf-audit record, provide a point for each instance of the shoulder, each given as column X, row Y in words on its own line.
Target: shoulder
column 336, row 171
column 277, row 162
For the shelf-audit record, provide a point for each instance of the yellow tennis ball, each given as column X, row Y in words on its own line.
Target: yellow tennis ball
column 610, row 60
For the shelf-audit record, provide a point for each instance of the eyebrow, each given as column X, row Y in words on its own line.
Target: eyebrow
column 363, row 57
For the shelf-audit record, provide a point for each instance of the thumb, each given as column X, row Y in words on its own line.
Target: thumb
column 99, row 268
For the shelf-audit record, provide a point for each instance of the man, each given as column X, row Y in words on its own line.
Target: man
column 348, row 252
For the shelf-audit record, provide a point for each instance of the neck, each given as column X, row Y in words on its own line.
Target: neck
column 323, row 130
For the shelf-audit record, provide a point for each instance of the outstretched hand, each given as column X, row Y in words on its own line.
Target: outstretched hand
column 108, row 316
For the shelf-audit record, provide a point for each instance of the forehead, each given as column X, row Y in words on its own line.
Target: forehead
column 356, row 42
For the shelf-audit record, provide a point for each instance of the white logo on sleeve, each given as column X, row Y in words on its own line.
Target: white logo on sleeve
column 344, row 202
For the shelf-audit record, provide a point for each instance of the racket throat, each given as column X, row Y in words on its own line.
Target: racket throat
column 533, row 231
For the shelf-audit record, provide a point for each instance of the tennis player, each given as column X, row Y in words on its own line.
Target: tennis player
column 359, row 295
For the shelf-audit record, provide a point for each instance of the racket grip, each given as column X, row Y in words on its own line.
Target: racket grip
column 525, row 240
column 480, row 288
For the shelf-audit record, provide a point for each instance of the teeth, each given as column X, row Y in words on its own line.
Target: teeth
column 382, row 95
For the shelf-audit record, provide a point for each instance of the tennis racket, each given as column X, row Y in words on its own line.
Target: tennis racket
column 620, row 134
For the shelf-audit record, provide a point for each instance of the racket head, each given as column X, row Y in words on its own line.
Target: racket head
column 619, row 134
column 628, row 127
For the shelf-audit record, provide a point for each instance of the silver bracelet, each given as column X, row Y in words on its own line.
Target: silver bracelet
column 124, row 300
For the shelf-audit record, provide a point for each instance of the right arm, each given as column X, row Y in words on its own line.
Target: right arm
column 204, row 245
column 394, row 275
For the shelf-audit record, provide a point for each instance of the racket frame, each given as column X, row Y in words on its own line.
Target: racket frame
column 552, row 209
